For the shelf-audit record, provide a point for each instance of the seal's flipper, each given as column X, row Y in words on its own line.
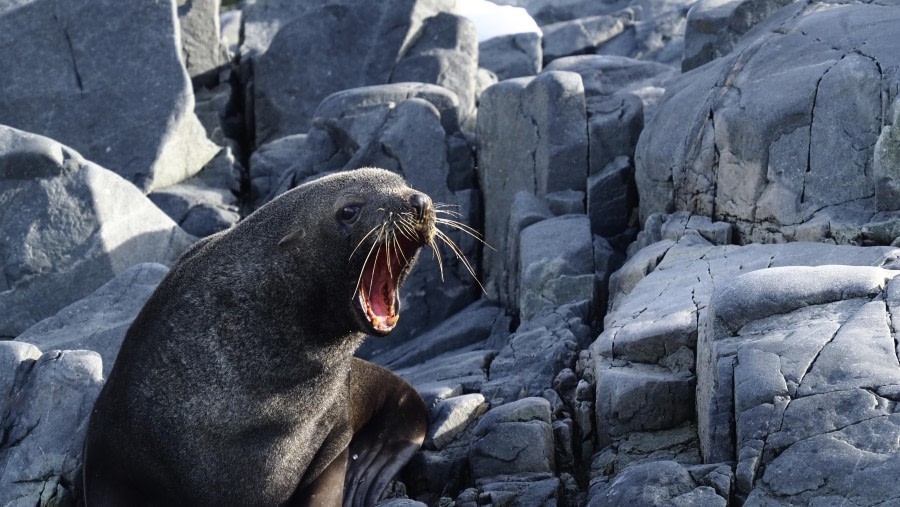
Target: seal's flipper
column 389, row 423
column 328, row 488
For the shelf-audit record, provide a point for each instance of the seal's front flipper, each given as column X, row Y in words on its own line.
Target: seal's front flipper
column 389, row 422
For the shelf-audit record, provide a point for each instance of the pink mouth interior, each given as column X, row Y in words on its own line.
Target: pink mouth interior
column 379, row 285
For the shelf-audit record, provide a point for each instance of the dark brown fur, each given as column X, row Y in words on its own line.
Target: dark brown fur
column 236, row 384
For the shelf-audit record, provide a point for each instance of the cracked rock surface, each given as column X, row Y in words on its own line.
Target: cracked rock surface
column 796, row 165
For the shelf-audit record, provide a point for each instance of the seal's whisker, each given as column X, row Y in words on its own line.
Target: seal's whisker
column 407, row 228
column 436, row 253
column 440, row 205
column 362, row 270
column 363, row 239
column 397, row 246
column 459, row 254
column 466, row 229
column 448, row 212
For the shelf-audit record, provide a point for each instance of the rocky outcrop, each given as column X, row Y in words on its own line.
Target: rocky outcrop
column 783, row 172
column 75, row 226
column 65, row 63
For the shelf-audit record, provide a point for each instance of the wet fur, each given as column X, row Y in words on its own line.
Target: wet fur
column 233, row 383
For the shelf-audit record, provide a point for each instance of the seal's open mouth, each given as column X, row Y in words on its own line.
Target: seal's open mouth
column 381, row 278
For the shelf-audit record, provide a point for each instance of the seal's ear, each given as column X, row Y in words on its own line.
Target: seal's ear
column 292, row 237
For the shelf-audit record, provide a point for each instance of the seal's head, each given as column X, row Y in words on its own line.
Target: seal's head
column 373, row 230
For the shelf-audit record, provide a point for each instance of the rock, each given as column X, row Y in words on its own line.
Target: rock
column 400, row 502
column 791, row 166
column 206, row 203
column 678, row 445
column 565, row 202
column 715, row 26
column 470, row 328
column 40, row 457
column 523, row 489
column 612, row 198
column 804, row 378
column 887, row 164
column 701, row 496
column 99, row 322
column 201, row 44
column 556, row 264
column 672, row 227
column 537, row 351
column 533, row 138
column 659, row 37
column 510, row 56
column 12, row 355
column 445, row 53
column 76, row 226
column 513, row 438
column 270, row 162
column 654, row 483
column 649, row 342
column 582, row 35
column 230, row 28
column 451, row 417
column 320, row 48
column 554, row 11
column 454, row 372
column 107, row 80
column 526, row 209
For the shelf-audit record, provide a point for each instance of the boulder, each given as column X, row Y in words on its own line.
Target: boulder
column 270, row 162
column 656, row 37
column 202, row 47
column 451, row 417
column 652, row 484
column 321, row 47
column 510, row 56
column 790, row 166
column 106, row 79
column 513, row 438
column 12, row 355
column 715, row 26
column 797, row 376
column 659, row 302
column 99, row 322
column 533, row 137
column 40, row 456
column 583, row 35
column 445, row 53
column 76, row 226
column 556, row 264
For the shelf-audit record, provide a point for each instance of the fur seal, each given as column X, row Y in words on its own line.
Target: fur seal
column 236, row 385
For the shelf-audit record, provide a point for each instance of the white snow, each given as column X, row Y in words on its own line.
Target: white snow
column 492, row 20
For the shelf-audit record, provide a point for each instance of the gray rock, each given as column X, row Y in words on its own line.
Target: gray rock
column 40, row 457
column 106, row 79
column 206, row 203
column 230, row 29
column 445, row 53
column 672, row 227
column 644, row 359
column 513, row 438
column 468, row 329
column 99, row 321
column 565, row 202
column 537, row 351
column 640, row 447
column 702, row 496
column 787, row 166
column 12, row 355
column 510, row 56
column 76, row 226
column 201, row 43
column 887, row 164
column 715, row 26
column 582, row 35
column 804, row 378
column 400, row 502
column 320, row 48
column 657, row 37
column 556, row 264
column 463, row 371
column 612, row 198
column 451, row 417
column 532, row 133
column 526, row 209
column 525, row 490
column 651, row 484
column 270, row 162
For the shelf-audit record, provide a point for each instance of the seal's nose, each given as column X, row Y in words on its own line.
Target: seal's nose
column 421, row 203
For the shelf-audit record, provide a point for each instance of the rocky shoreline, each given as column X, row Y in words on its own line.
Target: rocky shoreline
column 690, row 213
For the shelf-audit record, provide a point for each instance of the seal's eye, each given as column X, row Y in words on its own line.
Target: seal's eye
column 349, row 213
